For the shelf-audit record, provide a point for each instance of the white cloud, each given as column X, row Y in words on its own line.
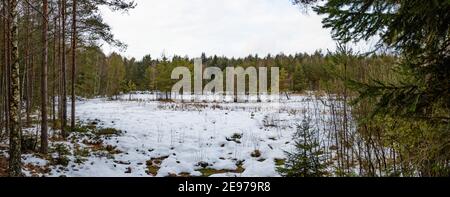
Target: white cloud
column 222, row 27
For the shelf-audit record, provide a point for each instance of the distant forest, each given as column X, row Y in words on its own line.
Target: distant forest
column 109, row 75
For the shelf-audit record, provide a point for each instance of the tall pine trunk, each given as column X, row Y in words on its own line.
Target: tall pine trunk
column 14, row 96
column 63, row 94
column 29, row 69
column 58, row 34
column 30, row 87
column 44, row 82
column 54, row 63
column 74, row 48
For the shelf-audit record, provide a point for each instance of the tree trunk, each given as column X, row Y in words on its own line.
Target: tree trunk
column 29, row 70
column 30, row 85
column 7, row 63
column 58, row 34
column 63, row 71
column 44, row 82
column 15, row 168
column 54, row 63
column 3, row 73
column 74, row 48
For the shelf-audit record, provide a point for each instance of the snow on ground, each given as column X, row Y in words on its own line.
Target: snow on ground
column 189, row 137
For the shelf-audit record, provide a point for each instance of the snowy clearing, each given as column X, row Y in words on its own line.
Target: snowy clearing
column 183, row 139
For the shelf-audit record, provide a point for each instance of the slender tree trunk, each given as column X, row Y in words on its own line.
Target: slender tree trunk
column 55, row 38
column 8, row 63
column 44, row 82
column 3, row 72
column 30, row 85
column 29, row 69
column 345, row 122
column 58, row 33
column 74, row 48
column 15, row 168
column 63, row 71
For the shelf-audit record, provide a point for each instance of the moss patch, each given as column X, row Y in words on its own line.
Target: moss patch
column 107, row 132
column 206, row 172
column 280, row 162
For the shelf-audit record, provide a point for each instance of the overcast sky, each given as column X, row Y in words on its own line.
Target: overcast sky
column 234, row 28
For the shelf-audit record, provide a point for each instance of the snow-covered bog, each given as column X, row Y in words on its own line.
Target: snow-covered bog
column 189, row 139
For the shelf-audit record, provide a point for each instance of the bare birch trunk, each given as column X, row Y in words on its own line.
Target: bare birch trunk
column 15, row 168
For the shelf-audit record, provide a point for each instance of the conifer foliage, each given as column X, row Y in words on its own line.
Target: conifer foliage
column 419, row 32
column 307, row 160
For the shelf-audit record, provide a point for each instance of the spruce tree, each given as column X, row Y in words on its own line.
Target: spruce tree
column 419, row 32
column 307, row 160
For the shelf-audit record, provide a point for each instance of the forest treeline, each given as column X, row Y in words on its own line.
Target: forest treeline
column 109, row 75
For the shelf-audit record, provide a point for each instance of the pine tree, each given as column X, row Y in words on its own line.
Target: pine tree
column 44, row 76
column 115, row 74
column 307, row 160
column 299, row 82
column 63, row 93
column 74, row 52
column 150, row 77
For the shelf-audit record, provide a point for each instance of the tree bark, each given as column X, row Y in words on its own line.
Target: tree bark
column 30, row 85
column 58, row 34
column 15, row 168
column 54, row 63
column 74, row 48
column 7, row 63
column 63, row 71
column 44, row 77
column 29, row 70
column 3, row 72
